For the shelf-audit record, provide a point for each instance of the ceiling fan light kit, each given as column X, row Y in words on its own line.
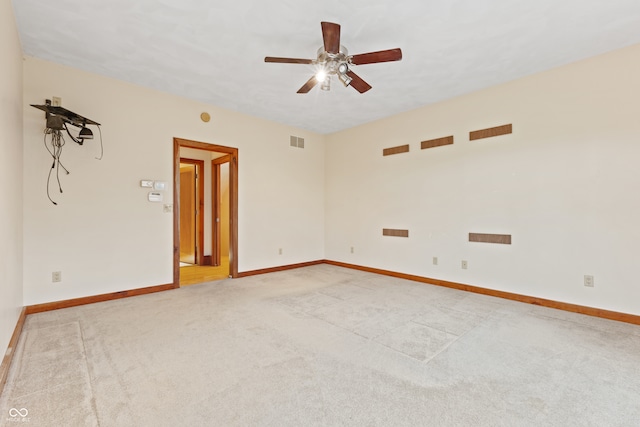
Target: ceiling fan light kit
column 333, row 59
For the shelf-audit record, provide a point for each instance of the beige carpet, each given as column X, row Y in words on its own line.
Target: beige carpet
column 322, row 346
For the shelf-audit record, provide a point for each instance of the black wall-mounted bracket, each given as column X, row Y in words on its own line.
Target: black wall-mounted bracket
column 68, row 116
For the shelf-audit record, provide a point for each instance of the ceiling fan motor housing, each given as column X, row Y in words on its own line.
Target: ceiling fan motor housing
column 334, row 63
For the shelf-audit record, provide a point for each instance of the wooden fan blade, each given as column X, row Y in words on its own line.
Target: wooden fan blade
column 331, row 37
column 288, row 60
column 308, row 85
column 357, row 83
column 380, row 56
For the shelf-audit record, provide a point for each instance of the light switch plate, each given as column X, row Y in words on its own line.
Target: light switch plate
column 146, row 183
column 159, row 185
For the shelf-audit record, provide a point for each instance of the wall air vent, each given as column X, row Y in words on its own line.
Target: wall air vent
column 438, row 142
column 491, row 132
column 395, row 150
column 504, row 239
column 296, row 141
column 395, row 232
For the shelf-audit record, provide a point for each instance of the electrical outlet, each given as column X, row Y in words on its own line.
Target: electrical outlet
column 56, row 101
column 435, row 260
column 56, row 276
column 280, row 251
column 352, row 250
column 464, row 265
column 588, row 281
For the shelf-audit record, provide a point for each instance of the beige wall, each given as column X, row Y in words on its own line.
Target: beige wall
column 104, row 235
column 10, row 174
column 565, row 184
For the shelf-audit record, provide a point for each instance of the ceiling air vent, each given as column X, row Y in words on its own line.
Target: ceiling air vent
column 296, row 141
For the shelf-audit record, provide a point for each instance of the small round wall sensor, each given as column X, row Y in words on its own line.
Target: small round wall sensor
column 205, row 117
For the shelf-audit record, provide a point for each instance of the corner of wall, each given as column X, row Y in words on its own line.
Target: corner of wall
column 11, row 166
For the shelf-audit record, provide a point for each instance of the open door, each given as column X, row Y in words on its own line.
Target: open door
column 188, row 212
column 191, row 206
column 220, row 208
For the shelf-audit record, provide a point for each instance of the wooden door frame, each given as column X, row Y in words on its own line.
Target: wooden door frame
column 199, row 258
column 233, row 202
column 216, row 251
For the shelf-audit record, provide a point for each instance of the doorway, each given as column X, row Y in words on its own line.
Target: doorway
column 221, row 215
column 191, row 211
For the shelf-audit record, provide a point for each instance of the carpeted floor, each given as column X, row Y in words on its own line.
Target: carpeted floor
column 322, row 346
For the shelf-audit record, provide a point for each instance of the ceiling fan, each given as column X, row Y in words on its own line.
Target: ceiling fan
column 334, row 59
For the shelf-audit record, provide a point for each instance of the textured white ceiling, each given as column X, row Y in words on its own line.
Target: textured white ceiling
column 213, row 51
